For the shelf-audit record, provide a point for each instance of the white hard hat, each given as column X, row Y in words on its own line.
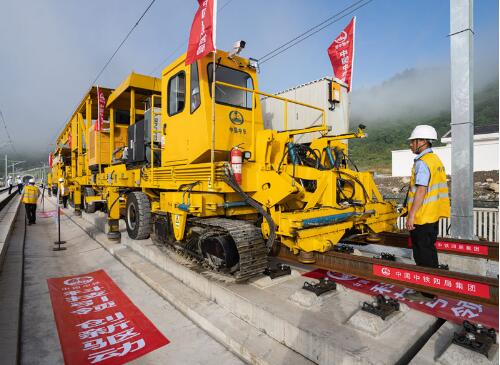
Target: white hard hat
column 32, row 181
column 61, row 179
column 424, row 132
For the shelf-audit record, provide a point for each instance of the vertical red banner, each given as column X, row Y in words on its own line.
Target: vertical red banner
column 341, row 53
column 202, row 35
column 97, row 323
column 51, row 158
column 101, row 106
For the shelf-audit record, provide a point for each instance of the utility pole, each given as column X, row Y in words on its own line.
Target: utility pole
column 462, row 118
column 6, row 169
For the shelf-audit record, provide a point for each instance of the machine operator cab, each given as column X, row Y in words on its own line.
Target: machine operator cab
column 187, row 108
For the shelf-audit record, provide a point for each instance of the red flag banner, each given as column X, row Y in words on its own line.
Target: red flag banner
column 202, row 36
column 341, row 53
column 97, row 323
column 51, row 158
column 101, row 105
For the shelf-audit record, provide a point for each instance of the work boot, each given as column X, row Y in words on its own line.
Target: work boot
column 417, row 296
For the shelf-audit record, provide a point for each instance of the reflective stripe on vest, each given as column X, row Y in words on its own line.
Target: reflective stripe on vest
column 30, row 194
column 436, row 203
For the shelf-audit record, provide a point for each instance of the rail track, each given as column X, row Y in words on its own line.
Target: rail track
column 8, row 198
column 479, row 249
column 457, row 285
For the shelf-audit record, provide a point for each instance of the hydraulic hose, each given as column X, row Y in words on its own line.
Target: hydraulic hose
column 229, row 179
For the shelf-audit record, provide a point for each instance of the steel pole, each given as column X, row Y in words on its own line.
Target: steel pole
column 462, row 118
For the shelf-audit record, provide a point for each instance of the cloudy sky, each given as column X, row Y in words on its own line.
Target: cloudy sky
column 53, row 49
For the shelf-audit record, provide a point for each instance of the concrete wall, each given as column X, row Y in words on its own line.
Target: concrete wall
column 313, row 93
column 485, row 157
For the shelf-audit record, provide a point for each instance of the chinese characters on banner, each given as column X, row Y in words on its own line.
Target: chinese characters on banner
column 450, row 309
column 203, row 31
column 341, row 53
column 462, row 247
column 101, row 105
column 97, row 323
column 433, row 281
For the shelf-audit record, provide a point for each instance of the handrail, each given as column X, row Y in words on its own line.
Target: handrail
column 152, row 135
column 321, row 128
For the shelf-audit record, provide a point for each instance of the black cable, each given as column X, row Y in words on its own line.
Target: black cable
column 310, row 30
column 229, row 179
column 124, row 40
column 287, row 45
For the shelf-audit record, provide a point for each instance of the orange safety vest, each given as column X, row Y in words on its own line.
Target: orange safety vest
column 30, row 194
column 436, row 202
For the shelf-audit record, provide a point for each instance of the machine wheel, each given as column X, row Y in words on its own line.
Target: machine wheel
column 138, row 216
column 88, row 207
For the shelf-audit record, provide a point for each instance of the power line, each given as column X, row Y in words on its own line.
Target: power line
column 311, row 31
column 114, row 53
column 124, row 40
column 7, row 132
column 183, row 43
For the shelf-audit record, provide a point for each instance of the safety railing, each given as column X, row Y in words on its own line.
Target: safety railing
column 485, row 224
column 321, row 128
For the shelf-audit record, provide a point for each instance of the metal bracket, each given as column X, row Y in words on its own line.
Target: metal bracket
column 343, row 248
column 385, row 256
column 382, row 306
column 277, row 271
column 475, row 337
column 323, row 286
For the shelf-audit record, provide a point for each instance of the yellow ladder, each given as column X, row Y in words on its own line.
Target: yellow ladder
column 153, row 131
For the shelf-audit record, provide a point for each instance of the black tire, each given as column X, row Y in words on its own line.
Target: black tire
column 88, row 207
column 138, row 216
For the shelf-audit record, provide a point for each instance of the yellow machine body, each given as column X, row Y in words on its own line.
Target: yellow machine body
column 309, row 191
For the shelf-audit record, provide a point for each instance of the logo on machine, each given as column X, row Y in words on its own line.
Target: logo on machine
column 236, row 117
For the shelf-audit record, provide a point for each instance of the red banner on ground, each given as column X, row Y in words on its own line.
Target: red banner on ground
column 202, row 35
column 97, row 323
column 450, row 309
column 341, row 53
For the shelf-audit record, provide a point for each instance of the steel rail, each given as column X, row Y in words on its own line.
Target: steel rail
column 471, row 288
column 5, row 201
column 452, row 246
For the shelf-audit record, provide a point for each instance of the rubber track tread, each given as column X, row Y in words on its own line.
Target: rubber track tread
column 249, row 243
column 143, row 215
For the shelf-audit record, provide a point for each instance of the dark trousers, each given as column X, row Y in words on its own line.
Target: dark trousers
column 30, row 212
column 19, row 188
column 423, row 239
column 10, row 189
column 65, row 200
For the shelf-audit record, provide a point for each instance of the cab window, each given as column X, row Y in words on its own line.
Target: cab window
column 227, row 95
column 176, row 91
column 195, row 100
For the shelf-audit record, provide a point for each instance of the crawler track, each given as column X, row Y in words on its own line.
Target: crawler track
column 249, row 243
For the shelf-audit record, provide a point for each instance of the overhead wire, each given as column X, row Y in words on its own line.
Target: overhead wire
column 313, row 30
column 115, row 52
column 7, row 132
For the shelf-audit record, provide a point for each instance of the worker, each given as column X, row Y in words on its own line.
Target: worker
column 64, row 192
column 428, row 201
column 10, row 183
column 30, row 197
column 19, row 184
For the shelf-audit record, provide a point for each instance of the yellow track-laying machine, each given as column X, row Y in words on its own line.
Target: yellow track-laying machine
column 207, row 177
